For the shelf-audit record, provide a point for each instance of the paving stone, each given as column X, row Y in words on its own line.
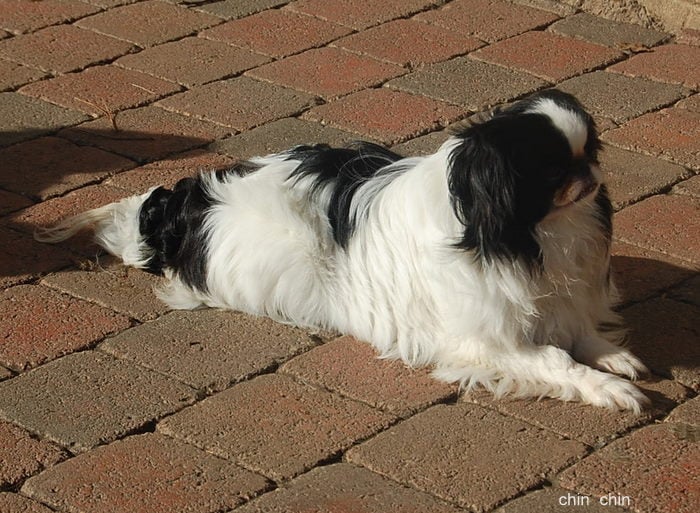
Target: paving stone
column 691, row 187
column 39, row 324
column 13, row 75
column 423, row 145
column 209, row 349
column 466, row 454
column 687, row 413
column 5, row 373
column 275, row 426
column 169, row 171
column 25, row 118
column 10, row 202
column 691, row 103
column 386, row 115
column 63, row 48
column 193, row 61
column 664, row 472
column 239, row 8
column 548, row 55
column 409, row 43
column 101, row 90
column 123, row 289
column 263, row 102
column 278, row 136
column 679, row 64
column 467, row 82
column 641, row 273
column 633, row 96
column 145, row 474
column 666, row 336
column 352, row 368
column 556, row 500
column 359, row 14
column 20, row 16
column 89, row 398
column 660, row 223
column 489, row 20
column 345, row 488
column 607, row 32
column 165, row 22
column 277, row 33
column 15, row 503
column 327, row 72
column 146, row 134
column 22, row 455
column 633, row 176
column 49, row 166
column 671, row 133
column 587, row 424
column 23, row 259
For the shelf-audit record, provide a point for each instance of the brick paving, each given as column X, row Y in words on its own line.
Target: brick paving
column 111, row 403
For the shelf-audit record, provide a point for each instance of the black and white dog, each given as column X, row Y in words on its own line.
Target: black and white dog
column 488, row 259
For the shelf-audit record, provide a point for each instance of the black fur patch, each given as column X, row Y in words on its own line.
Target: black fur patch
column 344, row 170
column 503, row 176
column 171, row 223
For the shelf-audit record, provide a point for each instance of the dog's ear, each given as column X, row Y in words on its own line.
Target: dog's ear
column 482, row 185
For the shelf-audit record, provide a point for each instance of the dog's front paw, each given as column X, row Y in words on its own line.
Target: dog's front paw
column 620, row 362
column 616, row 394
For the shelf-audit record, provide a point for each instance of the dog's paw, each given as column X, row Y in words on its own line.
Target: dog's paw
column 616, row 394
column 621, row 362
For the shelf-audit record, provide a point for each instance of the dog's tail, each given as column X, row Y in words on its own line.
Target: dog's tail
column 116, row 227
column 157, row 231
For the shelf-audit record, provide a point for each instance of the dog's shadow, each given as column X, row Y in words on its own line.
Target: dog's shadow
column 661, row 309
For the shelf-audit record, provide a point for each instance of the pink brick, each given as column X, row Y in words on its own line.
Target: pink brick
column 168, row 171
column 15, row 503
column 165, row 22
column 386, row 115
column 490, row 20
column 409, row 42
column 327, row 72
column 23, row 455
column 62, row 48
column 193, row 61
column 22, row 16
column 56, row 165
column 145, row 474
column 669, row 63
column 661, row 223
column 13, row 75
column 360, row 14
column 40, row 325
column 146, row 133
column 248, row 102
column 23, row 259
column 353, row 369
column 101, row 91
column 547, row 55
column 671, row 133
column 654, row 469
column 275, row 425
column 277, row 32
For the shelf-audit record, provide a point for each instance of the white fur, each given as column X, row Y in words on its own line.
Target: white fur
column 567, row 121
column 401, row 286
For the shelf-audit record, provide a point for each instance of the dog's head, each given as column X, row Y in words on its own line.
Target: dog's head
column 533, row 160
